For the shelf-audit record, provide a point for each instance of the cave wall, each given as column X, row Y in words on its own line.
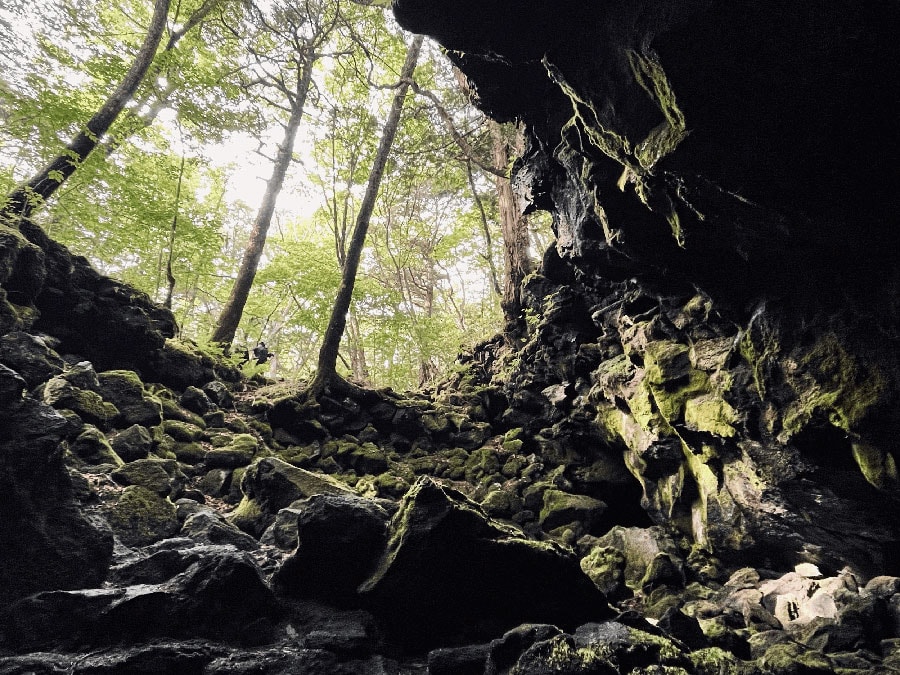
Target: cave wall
column 721, row 303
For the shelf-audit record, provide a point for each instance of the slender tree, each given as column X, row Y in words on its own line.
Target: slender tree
column 305, row 35
column 20, row 204
column 326, row 372
column 514, row 227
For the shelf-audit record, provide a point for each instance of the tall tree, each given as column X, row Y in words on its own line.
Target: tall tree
column 514, row 227
column 24, row 199
column 304, row 33
column 326, row 372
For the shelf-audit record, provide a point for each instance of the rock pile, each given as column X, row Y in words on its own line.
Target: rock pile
column 687, row 464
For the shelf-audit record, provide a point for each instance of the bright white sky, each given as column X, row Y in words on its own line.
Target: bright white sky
column 249, row 171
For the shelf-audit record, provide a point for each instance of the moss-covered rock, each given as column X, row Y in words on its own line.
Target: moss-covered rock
column 141, row 516
column 238, row 452
column 133, row 443
column 482, row 464
column 605, row 566
column 126, row 391
column 424, row 589
column 47, row 541
column 270, row 485
column 512, row 440
column 609, row 647
column 30, row 356
column 160, row 476
column 174, row 412
column 712, row 414
column 182, row 363
column 794, row 659
column 501, row 503
column 716, row 661
column 560, row 508
column 641, row 547
column 196, row 400
column 92, row 447
column 368, row 458
column 189, row 453
column 391, row 485
column 89, row 405
column 338, row 540
column 183, row 432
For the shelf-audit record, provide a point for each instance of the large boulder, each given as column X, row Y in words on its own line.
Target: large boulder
column 30, row 356
column 272, row 484
column 47, row 542
column 221, row 597
column 141, row 516
column 339, row 539
column 450, row 574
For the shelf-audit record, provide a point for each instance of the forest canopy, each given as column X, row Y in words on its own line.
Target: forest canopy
column 260, row 121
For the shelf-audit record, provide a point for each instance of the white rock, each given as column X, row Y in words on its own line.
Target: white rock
column 807, row 570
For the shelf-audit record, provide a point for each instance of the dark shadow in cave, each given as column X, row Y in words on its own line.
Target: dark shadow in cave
column 830, row 449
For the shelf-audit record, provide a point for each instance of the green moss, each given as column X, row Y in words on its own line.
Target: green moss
column 501, row 504
column 513, row 466
column 513, row 445
column 262, row 428
column 368, row 458
column 784, row 659
column 189, row 453
column 605, row 566
column 649, row 74
column 391, row 485
column 183, row 431
column 207, row 355
column 877, row 465
column 435, row 422
column 642, row 651
column 92, row 446
column 643, row 408
column 829, row 380
column 125, row 379
column 238, row 425
column 149, row 473
column 586, row 121
column 671, row 399
column 482, row 464
column 247, row 514
column 141, row 517
column 87, row 404
column 666, row 360
column 560, row 508
column 716, row 661
column 244, row 443
column 758, row 352
column 712, row 414
column 239, row 452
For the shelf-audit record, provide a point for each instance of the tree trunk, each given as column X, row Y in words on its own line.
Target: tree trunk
column 24, row 199
column 226, row 327
column 326, row 372
column 486, row 230
column 141, row 120
column 514, row 227
column 170, row 275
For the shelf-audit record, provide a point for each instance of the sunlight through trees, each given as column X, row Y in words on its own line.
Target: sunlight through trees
column 300, row 91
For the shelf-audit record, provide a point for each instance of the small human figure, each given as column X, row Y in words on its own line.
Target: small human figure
column 261, row 353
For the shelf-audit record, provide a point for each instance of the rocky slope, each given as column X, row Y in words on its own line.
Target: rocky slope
column 687, row 467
